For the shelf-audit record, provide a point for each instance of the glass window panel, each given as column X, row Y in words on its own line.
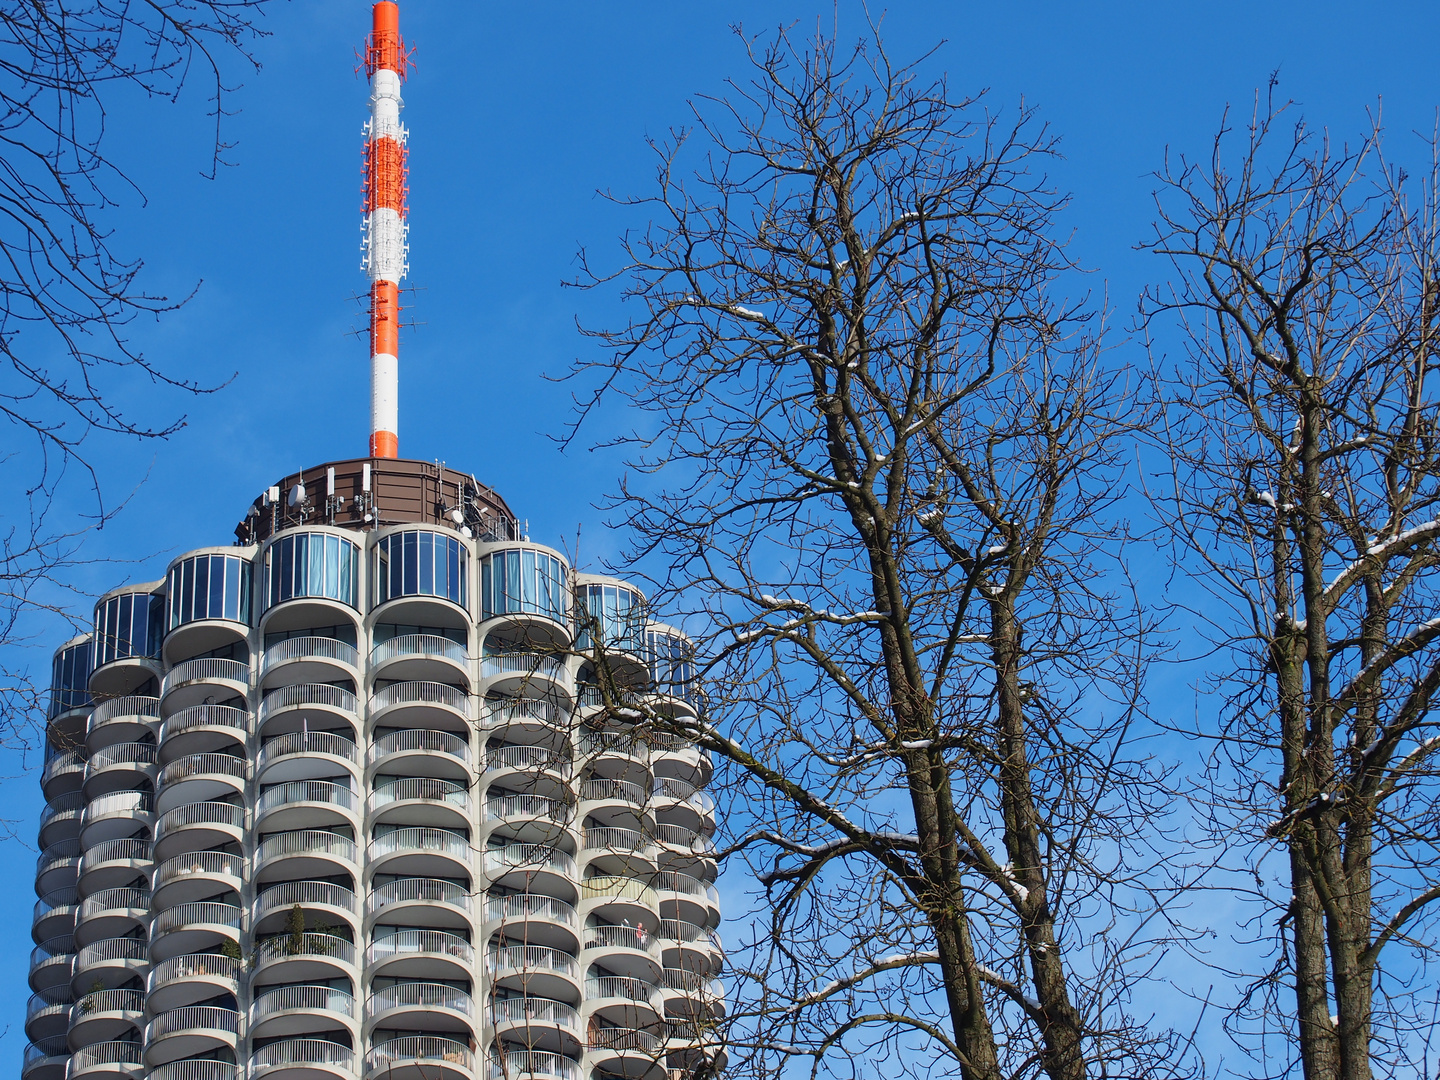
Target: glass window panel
column 187, row 591
column 487, row 604
column 200, row 571
column 315, row 567
column 397, row 567
column 407, row 543
column 425, row 572
column 215, row 607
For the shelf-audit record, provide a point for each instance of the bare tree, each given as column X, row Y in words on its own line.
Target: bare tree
column 1303, row 433
column 67, row 296
column 878, row 476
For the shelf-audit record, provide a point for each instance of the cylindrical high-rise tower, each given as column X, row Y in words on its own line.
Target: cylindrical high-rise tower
column 341, row 802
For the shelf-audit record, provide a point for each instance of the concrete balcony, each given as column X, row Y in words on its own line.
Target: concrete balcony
column 689, row 993
column 301, row 1010
column 45, row 1059
column 530, row 819
column 419, row 851
column 631, row 951
column 114, row 816
column 308, row 854
column 121, row 720
column 427, row 1006
column 528, row 1064
column 120, row 767
column 199, row 827
column 686, row 851
column 198, row 1069
column 420, row 800
column 678, row 803
column 618, row 899
column 194, row 977
column 430, row 705
column 51, row 963
column 328, row 902
column 108, row 1059
column 203, row 729
column 535, row 969
column 189, row 1031
column 536, row 770
column 111, row 963
column 627, row 1001
column 535, row 918
column 57, row 867
column 420, row 954
column 686, row 898
column 47, row 1014
column 422, row 752
column 421, row 658
column 680, row 759
column 60, row 820
column 194, row 875
column 303, row 1059
column 54, row 914
column 526, row 719
column 200, row 778
column 106, row 1016
column 629, row 1052
column 537, row 1023
column 612, row 851
column 306, row 755
column 309, row 957
column 111, row 913
column 113, row 864
column 307, row 804
column 195, row 682
column 301, row 706
column 690, row 946
column 300, row 660
column 421, row 1057
column 613, row 802
column 420, row 901
column 201, row 926
column 527, row 674
column 62, row 774
column 531, row 868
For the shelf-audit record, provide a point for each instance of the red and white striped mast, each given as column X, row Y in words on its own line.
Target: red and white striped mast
column 386, row 244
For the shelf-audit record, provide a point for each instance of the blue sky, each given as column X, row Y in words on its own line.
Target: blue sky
column 518, row 114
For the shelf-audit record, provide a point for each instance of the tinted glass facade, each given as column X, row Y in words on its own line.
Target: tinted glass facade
column 312, row 564
column 131, row 624
column 209, row 587
column 671, row 660
column 617, row 613
column 69, row 676
column 421, row 563
column 525, row 581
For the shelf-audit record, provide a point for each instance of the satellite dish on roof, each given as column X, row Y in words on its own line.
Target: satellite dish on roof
column 297, row 494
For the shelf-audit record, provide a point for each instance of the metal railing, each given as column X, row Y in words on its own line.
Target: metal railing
column 119, row 1052
column 56, row 899
column 419, row 838
column 418, row 645
column 621, row 937
column 523, row 906
column 289, row 893
column 57, row 854
column 677, row 836
column 618, row 986
column 69, row 761
column 607, row 838
column 119, row 802
column 668, row 788
column 524, row 711
column 51, row 948
column 189, row 1017
column 194, row 966
column 419, row 890
column 196, row 1069
column 110, row 949
column 527, row 664
column 72, row 803
column 413, row 942
column 618, row 887
column 129, row 705
column 522, row 1063
column 307, row 742
column 205, row 669
column 683, row 932
column 598, row 789
column 303, row 1052
column 425, row 740
column 306, row 842
column 504, row 807
column 124, row 850
column 114, row 900
column 420, row 787
column 313, row 791
column 618, row 1038
column 420, row 995
column 200, row 813
column 528, row 958
column 532, row 857
column 195, row 913
column 120, row 754
column 319, row 998
column 41, row 1049
column 420, row 1048
column 534, row 758
column 205, row 716
column 197, row 862
column 421, row 693
column 536, row 1010
column 288, row 697
column 283, row 946
column 201, row 765
column 309, row 648
column 629, row 743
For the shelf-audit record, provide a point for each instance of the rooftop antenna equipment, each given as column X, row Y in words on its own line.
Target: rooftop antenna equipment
column 386, row 245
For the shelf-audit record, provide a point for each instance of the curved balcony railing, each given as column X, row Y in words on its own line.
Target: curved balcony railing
column 424, row 646
column 501, row 860
column 309, row 648
column 420, row 787
column 420, row 739
column 55, row 901
column 294, row 1052
column 626, row 743
column 419, row 890
column 142, row 754
column 685, row 885
column 621, row 937
column 301, row 694
column 620, row 840
column 692, row 984
column 509, row 807
column 525, row 711
column 197, row 862
column 537, row 759
column 119, row 802
column 598, row 789
column 283, row 946
column 531, row 1063
column 619, row 1038
column 311, row 791
column 289, row 893
column 71, row 761
column 48, row 1009
column 119, row 1052
column 194, row 966
column 677, row 836
column 114, row 900
column 202, row 765
column 413, row 942
column 318, row 998
column 205, row 669
column 129, row 705
column 188, row 1017
column 525, row 664
column 201, row 813
column 616, row 986
column 421, row 839
column 128, row 849
column 206, row 716
column 101, row 1001
column 53, row 953
column 70, row 805
column 40, row 1050
column 109, row 951
column 618, row 887
column 307, row 742
column 196, row 1069
column 420, row 995
column 306, row 842
column 196, row 913
column 534, row 1010
column 61, row 853
column 684, row 933
column 421, row 693
column 420, row 1048
column 520, row 907
column 531, row 958
column 667, row 788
